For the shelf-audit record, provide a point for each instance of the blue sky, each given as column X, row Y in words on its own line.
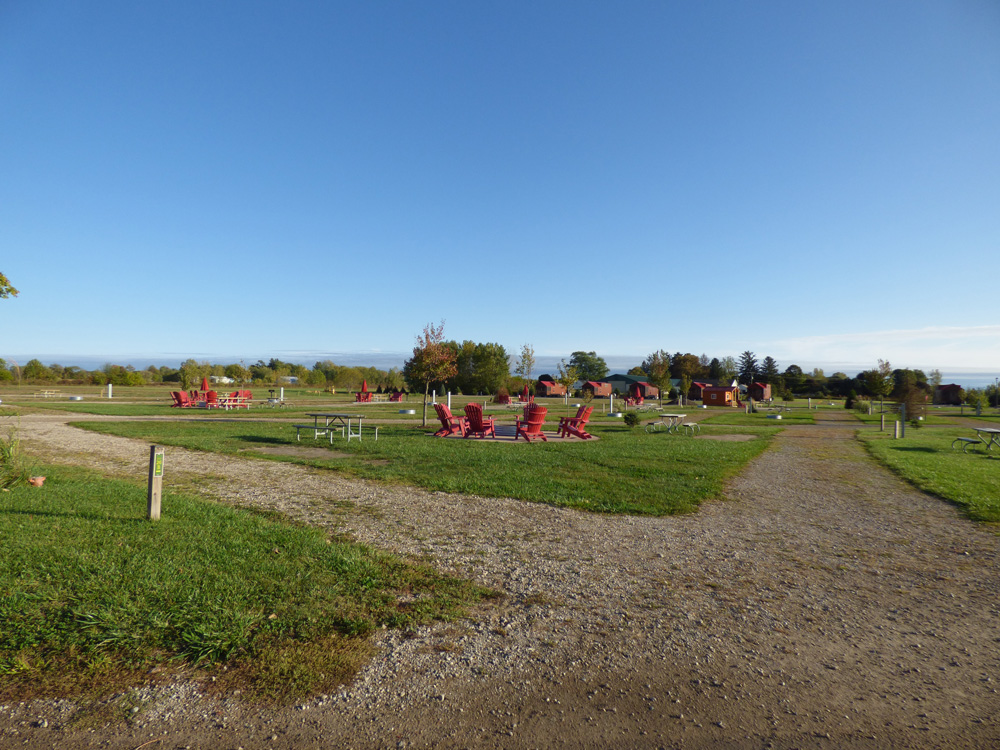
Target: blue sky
column 817, row 182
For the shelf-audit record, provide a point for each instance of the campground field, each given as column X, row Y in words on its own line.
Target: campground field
column 77, row 629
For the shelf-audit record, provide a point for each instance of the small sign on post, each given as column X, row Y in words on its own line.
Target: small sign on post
column 155, row 482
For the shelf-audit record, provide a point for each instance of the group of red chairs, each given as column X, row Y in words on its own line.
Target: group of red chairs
column 530, row 427
column 365, row 397
column 211, row 400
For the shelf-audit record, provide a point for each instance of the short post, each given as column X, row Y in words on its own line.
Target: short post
column 902, row 420
column 281, row 393
column 449, row 400
column 110, row 387
column 882, row 426
column 897, row 430
column 155, row 482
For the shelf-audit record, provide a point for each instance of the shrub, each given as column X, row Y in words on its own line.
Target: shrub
column 632, row 419
column 14, row 468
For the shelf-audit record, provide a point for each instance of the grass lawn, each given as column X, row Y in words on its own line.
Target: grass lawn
column 93, row 596
column 926, row 459
column 739, row 417
column 625, row 471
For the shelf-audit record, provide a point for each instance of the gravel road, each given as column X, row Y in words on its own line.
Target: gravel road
column 823, row 603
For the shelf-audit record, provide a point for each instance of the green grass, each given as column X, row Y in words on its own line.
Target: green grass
column 931, row 417
column 739, row 417
column 926, row 459
column 625, row 471
column 93, row 596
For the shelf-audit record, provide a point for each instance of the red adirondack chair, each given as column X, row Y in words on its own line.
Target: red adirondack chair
column 478, row 424
column 212, row 400
column 531, row 426
column 449, row 424
column 575, row 425
column 181, row 399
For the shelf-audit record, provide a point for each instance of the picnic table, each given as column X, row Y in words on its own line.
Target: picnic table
column 331, row 422
column 233, row 402
column 988, row 436
column 672, row 422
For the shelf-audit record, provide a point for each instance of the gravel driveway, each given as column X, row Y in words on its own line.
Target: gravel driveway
column 824, row 604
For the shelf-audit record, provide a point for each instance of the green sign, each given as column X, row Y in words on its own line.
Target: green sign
column 158, row 465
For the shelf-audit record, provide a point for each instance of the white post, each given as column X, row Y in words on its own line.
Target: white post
column 612, row 407
column 281, row 395
column 449, row 403
column 434, row 396
column 109, row 389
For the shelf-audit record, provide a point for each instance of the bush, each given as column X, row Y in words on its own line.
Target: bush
column 14, row 468
column 632, row 419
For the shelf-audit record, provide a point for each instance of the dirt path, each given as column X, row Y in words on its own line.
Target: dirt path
column 827, row 605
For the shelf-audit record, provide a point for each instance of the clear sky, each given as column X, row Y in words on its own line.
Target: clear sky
column 817, row 182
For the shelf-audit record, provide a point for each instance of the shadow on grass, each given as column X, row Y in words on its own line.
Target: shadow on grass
column 264, row 439
column 917, row 449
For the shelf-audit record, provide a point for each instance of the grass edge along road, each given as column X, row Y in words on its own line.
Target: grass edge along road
column 925, row 459
column 93, row 597
column 625, row 471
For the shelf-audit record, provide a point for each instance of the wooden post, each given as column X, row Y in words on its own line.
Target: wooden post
column 882, row 427
column 897, row 429
column 155, row 482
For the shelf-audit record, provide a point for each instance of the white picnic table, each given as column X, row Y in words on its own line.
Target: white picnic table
column 992, row 436
column 670, row 422
column 332, row 421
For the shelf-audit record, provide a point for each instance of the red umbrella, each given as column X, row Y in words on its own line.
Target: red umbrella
column 204, row 384
column 364, row 386
column 524, row 396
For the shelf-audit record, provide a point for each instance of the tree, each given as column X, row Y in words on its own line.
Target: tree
column 192, row 373
column 465, row 367
column 432, row 361
column 685, row 365
column 975, row 397
column 935, row 379
column 588, row 366
column 748, row 367
column 568, row 374
column 657, row 368
column 727, row 370
column 794, row 378
column 6, row 288
column 238, row 373
column 492, row 366
column 769, row 370
column 879, row 381
column 526, row 362
column 35, row 370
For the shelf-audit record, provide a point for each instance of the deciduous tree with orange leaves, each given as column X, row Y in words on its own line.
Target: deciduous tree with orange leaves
column 432, row 361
